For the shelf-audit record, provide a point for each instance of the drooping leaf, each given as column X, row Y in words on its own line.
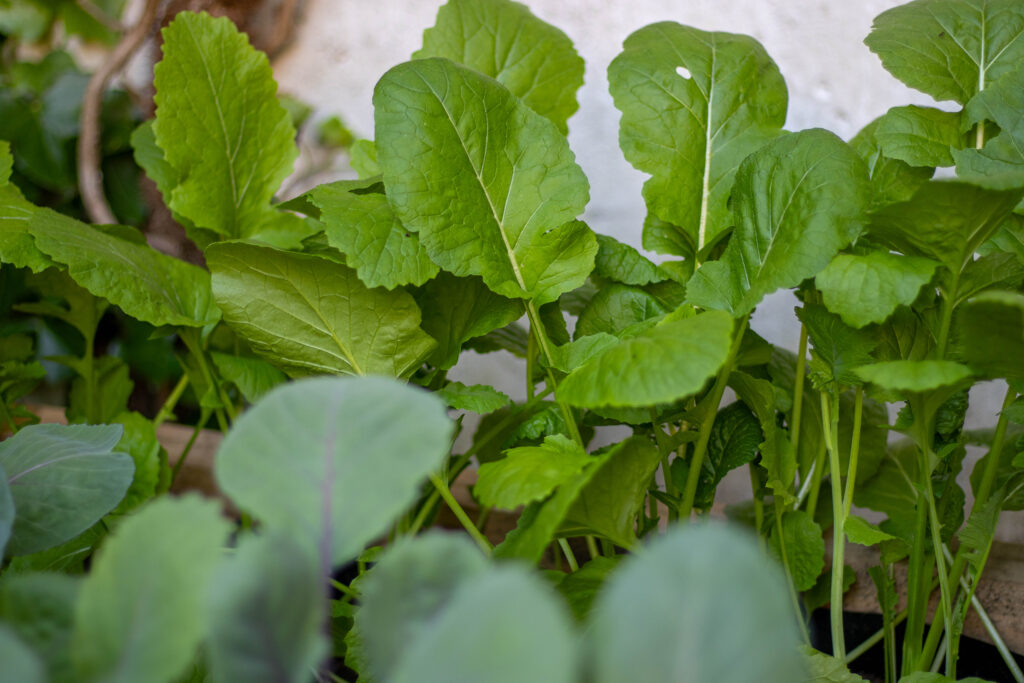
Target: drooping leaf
column 858, row 530
column 504, row 40
column 266, row 613
column 220, row 126
column 689, row 588
column 694, row 104
column 530, row 473
column 491, row 187
column 620, row 262
column 309, row 315
column 838, row 350
column 332, row 461
column 479, row 398
column 992, row 334
column 805, row 547
column 252, row 376
column 949, row 49
column 142, row 282
column 797, row 201
column 139, row 614
column 865, row 289
column 915, row 377
column 39, row 608
column 920, row 136
column 615, row 308
column 458, row 309
column 999, row 165
column 21, row 664
column 891, row 180
column 62, row 479
column 411, row 586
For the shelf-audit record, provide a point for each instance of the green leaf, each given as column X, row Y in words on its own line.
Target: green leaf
column 491, row 187
column 362, row 155
column 826, row 668
column 252, row 376
column 997, row 270
column 479, row 398
column 112, row 385
column 366, row 230
column 735, row 439
column 67, row 558
column 568, row 357
column 686, row 589
column 999, row 165
column 412, row 585
column 920, row 136
column 609, row 503
column 865, row 289
column 662, row 364
column 62, row 478
column 891, row 180
column 797, row 201
column 266, row 613
column 615, row 308
column 858, row 530
column 457, row 309
column 7, row 511
column 309, row 315
column 333, row 461
column 838, row 350
column 777, row 455
column 530, row 473
column 21, row 664
column 620, row 262
column 39, row 609
column 536, row 641
column 805, row 548
column 694, row 104
column 944, row 220
column 504, row 40
column 949, row 49
column 991, row 331
column 6, row 163
column 915, row 377
column 140, row 442
column 139, row 614
column 581, row 588
column 220, row 126
column 142, row 282
column 16, row 244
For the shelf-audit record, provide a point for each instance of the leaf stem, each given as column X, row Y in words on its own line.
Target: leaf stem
column 851, row 472
column 537, row 329
column 167, row 409
column 946, row 320
column 203, row 419
column 797, row 612
column 819, row 474
column 570, row 558
column 830, row 426
column 460, row 514
column 798, row 390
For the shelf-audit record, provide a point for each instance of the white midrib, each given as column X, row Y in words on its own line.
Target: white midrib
column 979, row 140
column 706, row 186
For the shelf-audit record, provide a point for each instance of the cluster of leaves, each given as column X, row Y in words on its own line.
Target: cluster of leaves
column 463, row 232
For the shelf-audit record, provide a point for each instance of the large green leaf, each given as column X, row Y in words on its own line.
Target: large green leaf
column 266, row 612
column 39, row 608
column 503, row 40
column 332, row 461
column 366, row 230
column 920, row 136
column 797, row 202
column 142, row 282
column 504, row 626
column 945, row 220
column 491, row 186
column 220, row 126
column 694, row 105
column 666, row 613
column 999, row 165
column 139, row 614
column 866, row 288
column 530, row 473
column 21, row 664
column 949, row 49
column 991, row 328
column 665, row 363
column 412, row 585
column 62, row 479
column 891, row 180
column 309, row 315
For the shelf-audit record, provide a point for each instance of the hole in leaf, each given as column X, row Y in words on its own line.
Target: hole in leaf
column 684, row 72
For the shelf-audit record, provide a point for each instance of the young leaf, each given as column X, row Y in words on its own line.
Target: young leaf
column 949, row 49
column 992, row 334
column 777, row 454
column 615, row 308
column 838, row 349
column 491, row 186
column 479, row 398
column 865, row 289
column 665, row 363
column 999, row 165
column 332, row 461
column 39, row 608
column 805, row 548
column 252, row 376
column 139, row 614
column 858, row 530
column 920, row 136
column 266, row 612
column 620, row 262
column 62, row 479
column 334, row 324
column 504, row 40
column 530, row 473
column 891, row 180
column 411, row 586
column 220, row 126
column 694, row 104
column 797, row 201
column 686, row 588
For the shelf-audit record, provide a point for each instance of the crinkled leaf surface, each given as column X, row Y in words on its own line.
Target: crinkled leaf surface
column 490, row 185
column 332, row 461
column 615, row 308
column 530, row 473
column 142, row 282
column 992, row 334
column 735, row 440
column 866, row 288
column 308, row 315
column 694, row 589
column 805, row 547
column 949, row 49
column 479, row 398
column 62, row 479
column 667, row 362
column 504, row 40
column 694, row 104
column 891, row 180
column 139, row 614
column 797, row 202
column 999, row 165
column 777, row 455
column 838, row 348
column 220, row 126
column 622, row 263
column 39, row 608
column 16, row 244
column 920, row 136
column 252, row 376
column 266, row 611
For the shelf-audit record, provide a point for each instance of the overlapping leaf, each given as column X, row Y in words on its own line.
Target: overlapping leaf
column 530, row 473
column 891, row 180
column 999, row 164
column 992, row 334
column 866, row 288
column 920, row 136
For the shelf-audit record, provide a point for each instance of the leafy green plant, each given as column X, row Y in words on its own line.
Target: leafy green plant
column 464, row 233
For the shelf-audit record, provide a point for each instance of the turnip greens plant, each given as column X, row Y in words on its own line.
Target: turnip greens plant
column 464, row 232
